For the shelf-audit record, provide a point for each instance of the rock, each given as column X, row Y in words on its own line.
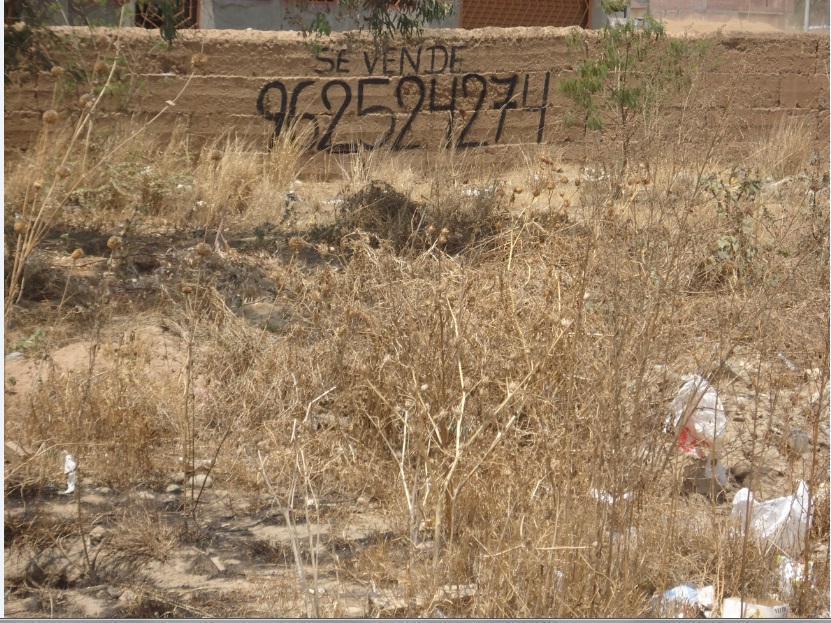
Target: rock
column 17, row 449
column 178, row 477
column 52, row 568
column 97, row 533
column 173, row 488
column 363, row 500
column 202, row 465
column 128, row 600
column 198, row 481
column 266, row 316
column 202, row 564
column 14, row 356
column 114, row 591
column 218, row 564
column 145, row 495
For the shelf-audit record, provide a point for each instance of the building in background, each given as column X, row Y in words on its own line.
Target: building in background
column 781, row 14
column 297, row 14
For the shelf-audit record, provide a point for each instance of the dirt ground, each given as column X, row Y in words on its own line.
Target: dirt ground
column 416, row 383
column 236, row 555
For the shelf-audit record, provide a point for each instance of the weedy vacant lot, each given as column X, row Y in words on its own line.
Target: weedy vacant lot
column 400, row 383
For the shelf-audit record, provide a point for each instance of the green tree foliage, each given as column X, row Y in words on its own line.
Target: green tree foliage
column 387, row 18
column 627, row 75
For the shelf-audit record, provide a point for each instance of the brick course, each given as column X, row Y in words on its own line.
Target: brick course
column 755, row 80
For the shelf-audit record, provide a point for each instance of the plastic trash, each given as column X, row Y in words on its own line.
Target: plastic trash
column 706, row 421
column 70, row 467
column 734, row 608
column 678, row 601
column 783, row 522
column 791, row 574
column 706, row 476
column 608, row 498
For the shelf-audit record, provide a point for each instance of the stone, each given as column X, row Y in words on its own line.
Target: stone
column 201, row 564
column 266, row 316
column 145, row 495
column 173, row 488
column 114, row 592
column 128, row 600
column 198, row 481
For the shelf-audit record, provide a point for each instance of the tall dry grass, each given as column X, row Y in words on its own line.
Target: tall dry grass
column 476, row 362
column 786, row 149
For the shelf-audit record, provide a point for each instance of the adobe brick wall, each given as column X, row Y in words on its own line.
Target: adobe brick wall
column 459, row 79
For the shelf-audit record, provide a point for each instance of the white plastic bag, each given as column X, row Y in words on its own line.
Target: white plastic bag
column 791, row 575
column 706, row 422
column 783, row 521
column 69, row 468
column 678, row 601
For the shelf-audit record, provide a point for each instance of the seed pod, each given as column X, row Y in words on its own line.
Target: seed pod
column 203, row 249
column 186, row 288
column 20, row 226
column 216, row 155
column 114, row 243
column 577, row 181
column 19, row 26
column 63, row 172
column 50, row 117
column 37, row 184
column 536, row 192
column 57, row 71
column 100, row 67
column 84, row 99
column 564, row 180
column 517, row 191
column 296, row 244
column 77, row 254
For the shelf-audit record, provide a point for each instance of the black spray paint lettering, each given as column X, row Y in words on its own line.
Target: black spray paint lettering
column 411, row 96
column 363, row 83
column 434, row 59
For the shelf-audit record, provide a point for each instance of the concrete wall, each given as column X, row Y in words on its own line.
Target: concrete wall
column 485, row 88
column 285, row 15
column 778, row 13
